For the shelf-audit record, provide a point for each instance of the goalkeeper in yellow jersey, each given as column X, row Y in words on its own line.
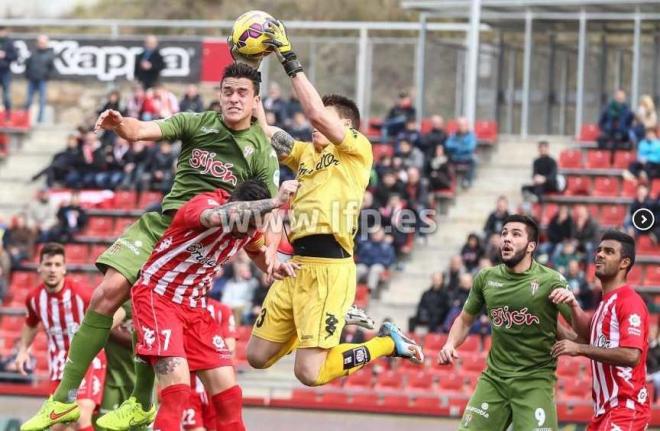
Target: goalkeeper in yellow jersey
column 307, row 312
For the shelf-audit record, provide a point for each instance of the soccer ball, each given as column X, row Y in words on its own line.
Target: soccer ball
column 247, row 33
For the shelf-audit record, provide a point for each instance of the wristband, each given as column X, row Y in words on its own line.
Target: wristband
column 291, row 64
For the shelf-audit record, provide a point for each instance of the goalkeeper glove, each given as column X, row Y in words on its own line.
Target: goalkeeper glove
column 251, row 60
column 279, row 42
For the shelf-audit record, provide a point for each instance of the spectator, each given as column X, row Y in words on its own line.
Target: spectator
column 165, row 102
column 433, row 305
column 61, row 164
column 457, row 299
column 416, row 191
column 579, row 286
column 454, row 273
column 367, row 219
column 391, row 221
column 398, row 115
column 645, row 118
column 647, row 165
column 460, row 147
column 585, row 231
column 239, row 291
column 8, row 363
column 116, row 159
column 409, row 155
column 192, row 100
column 412, row 135
column 566, row 254
column 149, row 63
column 559, row 229
column 161, row 167
column 439, row 171
column 137, row 160
column 112, row 102
column 544, row 174
column 493, row 249
column 471, row 252
column 435, row 137
column 388, row 186
column 8, row 55
column 615, row 123
column 87, row 163
column 20, row 240
column 495, row 221
column 39, row 68
column 642, row 200
column 276, row 104
column 135, row 102
column 41, row 214
column 258, row 298
column 300, row 128
column 72, row 219
column 5, row 271
column 293, row 106
column 374, row 257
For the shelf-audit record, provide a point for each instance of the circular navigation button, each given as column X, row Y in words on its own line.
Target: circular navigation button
column 643, row 219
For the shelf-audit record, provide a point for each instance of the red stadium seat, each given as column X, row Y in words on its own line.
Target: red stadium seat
column 367, row 401
column 589, row 133
column 576, row 388
column 623, row 159
column 421, row 381
column 149, row 198
column 613, row 215
column 574, row 412
column 549, row 210
column 606, row 186
column 486, row 131
column 645, row 245
column 243, row 332
column 451, row 126
column 566, row 367
column 635, row 276
column 578, row 185
column 362, row 295
column 652, row 276
column 427, row 404
column 655, row 188
column 389, row 381
column 79, row 278
column 472, row 344
column 334, row 399
column 361, row 380
column 434, row 341
column 303, row 396
column 12, row 323
column 382, row 150
column 590, row 273
column 125, row 200
column 395, row 402
column 77, row 253
column 97, row 250
column 570, row 159
column 425, row 126
column 629, row 189
column 473, row 363
column 121, row 224
column 24, row 279
column 598, row 159
column 451, row 382
column 100, row 226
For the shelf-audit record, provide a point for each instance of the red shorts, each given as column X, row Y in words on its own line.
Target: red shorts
column 93, row 383
column 199, row 413
column 166, row 329
column 620, row 418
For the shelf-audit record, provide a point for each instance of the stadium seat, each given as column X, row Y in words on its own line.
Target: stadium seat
column 578, row 185
column 613, row 215
column 382, row 150
column 623, row 159
column 598, row 159
column 79, row 278
column 605, row 186
column 473, row 363
column 566, row 367
column 434, row 341
column 570, row 159
column 629, row 188
column 589, row 133
column 645, row 245
column 23, row 279
column 451, row 126
column 149, row 198
column 634, row 276
column 652, row 276
column 421, row 381
column 303, row 397
column 96, row 251
column 425, row 126
column 451, row 383
column 362, row 295
column 427, row 404
column 121, row 224
column 389, row 381
column 77, row 253
column 12, row 323
column 367, row 401
column 574, row 412
column 361, row 380
column 125, row 200
column 486, row 131
column 472, row 344
column 655, row 188
column 100, row 227
column 549, row 210
column 394, row 403
column 576, row 389
column 333, row 399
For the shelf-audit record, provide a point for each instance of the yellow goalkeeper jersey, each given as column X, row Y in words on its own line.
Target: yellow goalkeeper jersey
column 332, row 185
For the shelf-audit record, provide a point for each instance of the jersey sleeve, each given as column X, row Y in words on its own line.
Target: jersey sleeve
column 179, row 126
column 293, row 159
column 267, row 169
column 633, row 320
column 356, row 144
column 192, row 210
column 255, row 244
column 560, row 282
column 32, row 319
column 475, row 301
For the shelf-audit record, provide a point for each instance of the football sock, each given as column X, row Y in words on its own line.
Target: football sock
column 228, row 406
column 86, row 344
column 87, row 428
column 173, row 400
column 287, row 348
column 345, row 359
column 144, row 380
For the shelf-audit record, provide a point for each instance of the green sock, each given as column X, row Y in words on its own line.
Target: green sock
column 144, row 381
column 86, row 344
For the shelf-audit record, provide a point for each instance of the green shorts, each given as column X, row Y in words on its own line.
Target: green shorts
column 132, row 249
column 526, row 402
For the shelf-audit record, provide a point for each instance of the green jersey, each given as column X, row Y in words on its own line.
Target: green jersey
column 121, row 371
column 214, row 156
column 522, row 317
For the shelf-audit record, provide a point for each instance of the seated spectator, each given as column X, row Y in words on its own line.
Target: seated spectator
column 579, row 286
column 416, row 191
column 544, row 174
column 374, row 257
column 559, row 229
column 293, row 105
column 439, row 171
column 192, row 100
column 61, row 164
column 368, row 217
column 72, row 219
column 135, row 167
column 114, row 160
column 239, row 290
column 409, row 155
column 642, row 200
column 645, row 118
column 5, row 271
column 615, row 124
column 647, row 165
column 398, row 115
column 457, row 300
column 112, row 102
column 41, row 214
column 460, row 147
column 135, row 102
column 276, row 104
column 19, row 240
column 454, row 272
column 86, row 164
column 585, row 231
column 300, row 128
column 388, row 186
column 391, row 220
column 435, row 137
column 411, row 134
column 165, row 102
column 471, row 252
column 433, row 306
column 495, row 221
column 492, row 251
column 565, row 254
column 161, row 167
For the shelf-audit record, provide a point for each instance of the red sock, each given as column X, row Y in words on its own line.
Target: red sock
column 229, row 409
column 173, row 399
column 89, row 428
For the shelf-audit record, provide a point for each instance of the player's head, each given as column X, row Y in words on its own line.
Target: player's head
column 518, row 239
column 615, row 255
column 341, row 108
column 248, row 190
column 52, row 267
column 239, row 93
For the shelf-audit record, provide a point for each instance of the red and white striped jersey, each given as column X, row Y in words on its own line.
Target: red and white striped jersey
column 621, row 320
column 60, row 314
column 188, row 256
column 223, row 314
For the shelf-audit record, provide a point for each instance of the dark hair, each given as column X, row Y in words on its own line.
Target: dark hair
column 250, row 190
column 544, row 144
column 530, row 223
column 627, row 245
column 242, row 70
column 51, row 249
column 345, row 107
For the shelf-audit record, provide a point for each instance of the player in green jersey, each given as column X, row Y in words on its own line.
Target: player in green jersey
column 518, row 384
column 218, row 151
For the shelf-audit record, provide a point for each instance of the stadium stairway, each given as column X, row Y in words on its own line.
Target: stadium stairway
column 507, row 170
column 33, row 154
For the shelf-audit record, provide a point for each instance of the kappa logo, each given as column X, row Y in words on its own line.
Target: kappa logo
column 248, row 151
column 206, row 130
column 330, row 325
column 494, row 283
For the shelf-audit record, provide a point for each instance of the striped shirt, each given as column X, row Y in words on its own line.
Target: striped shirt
column 621, row 320
column 60, row 314
column 189, row 256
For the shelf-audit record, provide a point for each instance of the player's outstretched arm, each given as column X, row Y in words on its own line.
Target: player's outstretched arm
column 128, row 128
column 618, row 356
column 23, row 356
column 457, row 335
column 280, row 270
